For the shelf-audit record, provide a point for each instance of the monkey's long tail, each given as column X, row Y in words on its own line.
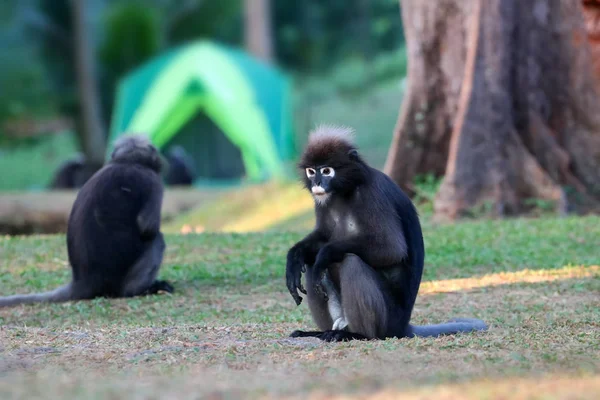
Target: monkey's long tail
column 63, row 293
column 451, row 327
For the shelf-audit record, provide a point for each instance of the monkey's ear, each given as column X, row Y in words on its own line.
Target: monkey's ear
column 353, row 154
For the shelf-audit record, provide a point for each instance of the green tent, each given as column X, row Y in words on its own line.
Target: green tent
column 231, row 113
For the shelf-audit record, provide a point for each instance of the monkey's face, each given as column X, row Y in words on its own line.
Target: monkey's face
column 339, row 173
column 320, row 181
column 331, row 166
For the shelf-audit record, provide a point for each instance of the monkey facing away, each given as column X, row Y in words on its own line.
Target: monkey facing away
column 68, row 175
column 180, row 170
column 73, row 173
column 114, row 242
column 363, row 261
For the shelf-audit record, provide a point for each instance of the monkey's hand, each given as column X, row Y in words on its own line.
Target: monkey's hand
column 332, row 252
column 149, row 225
column 293, row 273
column 318, row 274
column 148, row 218
column 318, row 270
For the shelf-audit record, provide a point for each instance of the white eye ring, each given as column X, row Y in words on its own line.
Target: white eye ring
column 310, row 172
column 327, row 171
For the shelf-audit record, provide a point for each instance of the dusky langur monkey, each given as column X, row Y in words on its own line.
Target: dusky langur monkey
column 180, row 171
column 114, row 243
column 363, row 261
column 70, row 174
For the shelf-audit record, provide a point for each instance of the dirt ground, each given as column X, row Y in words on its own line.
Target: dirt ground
column 548, row 346
column 224, row 333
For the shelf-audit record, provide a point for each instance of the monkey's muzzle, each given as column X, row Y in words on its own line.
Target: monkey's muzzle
column 318, row 190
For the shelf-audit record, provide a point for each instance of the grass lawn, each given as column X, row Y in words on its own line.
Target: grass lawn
column 224, row 333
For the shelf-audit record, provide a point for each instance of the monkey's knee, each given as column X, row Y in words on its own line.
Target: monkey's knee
column 353, row 260
column 142, row 275
column 157, row 249
column 364, row 300
column 159, row 242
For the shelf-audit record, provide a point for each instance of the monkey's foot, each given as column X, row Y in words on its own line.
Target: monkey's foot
column 340, row 336
column 299, row 333
column 161, row 286
column 330, row 336
column 339, row 324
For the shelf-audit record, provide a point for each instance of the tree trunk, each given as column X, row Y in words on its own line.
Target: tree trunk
column 48, row 212
column 435, row 68
column 526, row 122
column 591, row 13
column 94, row 143
column 257, row 26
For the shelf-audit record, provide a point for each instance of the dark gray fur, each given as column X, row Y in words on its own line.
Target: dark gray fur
column 73, row 173
column 114, row 242
column 367, row 242
column 180, row 171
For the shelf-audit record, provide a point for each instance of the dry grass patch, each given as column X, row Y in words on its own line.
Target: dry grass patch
column 540, row 328
column 223, row 334
column 547, row 388
column 250, row 209
column 506, row 278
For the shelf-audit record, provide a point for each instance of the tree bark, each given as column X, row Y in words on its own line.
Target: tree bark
column 258, row 34
column 591, row 14
column 94, row 142
column 526, row 122
column 435, row 68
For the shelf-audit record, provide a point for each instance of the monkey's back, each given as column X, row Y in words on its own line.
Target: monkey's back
column 406, row 218
column 103, row 238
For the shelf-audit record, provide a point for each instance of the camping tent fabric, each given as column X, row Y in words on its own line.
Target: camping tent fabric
column 248, row 100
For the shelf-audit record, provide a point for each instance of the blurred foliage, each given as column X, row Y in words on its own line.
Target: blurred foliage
column 337, row 51
column 336, row 38
column 25, row 90
column 314, row 36
column 30, row 164
column 373, row 115
column 51, row 27
column 354, row 76
column 132, row 35
column 217, row 20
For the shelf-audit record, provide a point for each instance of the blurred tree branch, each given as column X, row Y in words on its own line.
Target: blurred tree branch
column 258, row 36
column 94, row 143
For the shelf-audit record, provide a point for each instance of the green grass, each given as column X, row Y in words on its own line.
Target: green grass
column 32, row 165
column 224, row 331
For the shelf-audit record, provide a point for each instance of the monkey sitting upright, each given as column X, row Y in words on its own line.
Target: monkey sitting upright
column 114, row 242
column 364, row 258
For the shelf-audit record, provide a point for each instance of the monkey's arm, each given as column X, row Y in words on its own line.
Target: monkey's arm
column 303, row 252
column 334, row 252
column 148, row 218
